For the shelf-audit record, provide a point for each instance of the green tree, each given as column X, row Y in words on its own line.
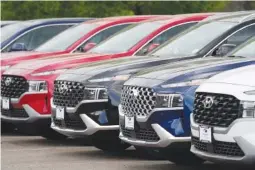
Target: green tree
column 23, row 10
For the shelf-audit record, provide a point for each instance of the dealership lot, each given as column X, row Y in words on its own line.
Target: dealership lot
column 34, row 152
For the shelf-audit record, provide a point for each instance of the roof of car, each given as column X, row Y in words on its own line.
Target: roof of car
column 237, row 17
column 172, row 18
column 106, row 20
column 8, row 21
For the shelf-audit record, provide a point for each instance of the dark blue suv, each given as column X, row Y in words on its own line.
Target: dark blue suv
column 151, row 111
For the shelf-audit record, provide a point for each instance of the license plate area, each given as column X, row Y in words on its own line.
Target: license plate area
column 6, row 103
column 60, row 113
column 130, row 122
column 205, row 134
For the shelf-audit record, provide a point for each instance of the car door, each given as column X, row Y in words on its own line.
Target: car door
column 35, row 37
column 99, row 37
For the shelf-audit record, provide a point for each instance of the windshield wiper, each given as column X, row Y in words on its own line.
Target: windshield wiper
column 236, row 56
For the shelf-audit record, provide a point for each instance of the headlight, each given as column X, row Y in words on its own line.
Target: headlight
column 102, row 94
column 183, row 84
column 5, row 67
column 250, row 92
column 95, row 93
column 169, row 100
column 45, row 73
column 37, row 86
column 115, row 78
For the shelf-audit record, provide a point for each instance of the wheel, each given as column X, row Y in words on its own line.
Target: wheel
column 50, row 134
column 110, row 145
column 185, row 158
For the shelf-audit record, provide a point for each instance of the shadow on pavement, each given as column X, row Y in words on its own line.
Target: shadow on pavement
column 97, row 154
column 30, row 140
column 207, row 166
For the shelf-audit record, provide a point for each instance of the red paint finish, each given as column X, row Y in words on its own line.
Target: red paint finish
column 72, row 60
column 13, row 58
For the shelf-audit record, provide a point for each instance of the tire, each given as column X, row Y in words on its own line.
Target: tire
column 185, row 158
column 50, row 134
column 110, row 145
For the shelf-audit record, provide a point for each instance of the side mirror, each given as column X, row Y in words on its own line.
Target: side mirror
column 224, row 49
column 18, row 47
column 152, row 46
column 88, row 46
column 149, row 48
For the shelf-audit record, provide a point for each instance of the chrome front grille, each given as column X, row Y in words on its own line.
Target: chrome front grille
column 13, row 86
column 67, row 93
column 223, row 111
column 139, row 101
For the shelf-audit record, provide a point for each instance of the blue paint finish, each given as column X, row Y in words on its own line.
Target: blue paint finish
column 102, row 119
column 206, row 72
column 170, row 120
column 178, row 122
column 188, row 99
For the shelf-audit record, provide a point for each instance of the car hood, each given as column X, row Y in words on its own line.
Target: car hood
column 54, row 62
column 182, row 71
column 11, row 55
column 241, row 76
column 13, row 58
column 163, row 72
column 108, row 65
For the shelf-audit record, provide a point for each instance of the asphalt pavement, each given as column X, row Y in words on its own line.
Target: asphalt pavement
column 36, row 153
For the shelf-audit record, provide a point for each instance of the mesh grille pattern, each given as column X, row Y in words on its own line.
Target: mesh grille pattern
column 137, row 100
column 143, row 134
column 218, row 147
column 18, row 113
column 71, row 122
column 224, row 110
column 67, row 93
column 13, row 86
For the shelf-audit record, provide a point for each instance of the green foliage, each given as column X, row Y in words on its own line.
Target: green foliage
column 23, row 10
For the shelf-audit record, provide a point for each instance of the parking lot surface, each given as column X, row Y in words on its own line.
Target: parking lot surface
column 34, row 152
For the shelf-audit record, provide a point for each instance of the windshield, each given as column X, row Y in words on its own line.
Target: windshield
column 193, row 40
column 247, row 49
column 66, row 38
column 10, row 30
column 127, row 38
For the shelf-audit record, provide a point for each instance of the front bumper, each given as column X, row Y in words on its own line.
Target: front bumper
column 240, row 132
column 165, row 140
column 81, row 115
column 30, row 114
column 165, row 136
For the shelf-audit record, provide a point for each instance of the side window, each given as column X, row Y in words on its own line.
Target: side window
column 36, row 37
column 42, row 35
column 234, row 40
column 163, row 37
column 99, row 37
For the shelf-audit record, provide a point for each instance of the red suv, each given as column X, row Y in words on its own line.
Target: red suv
column 78, row 38
column 28, row 87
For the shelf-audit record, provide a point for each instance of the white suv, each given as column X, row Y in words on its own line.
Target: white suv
column 223, row 119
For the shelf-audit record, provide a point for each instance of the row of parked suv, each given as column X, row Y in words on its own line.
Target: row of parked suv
column 180, row 87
